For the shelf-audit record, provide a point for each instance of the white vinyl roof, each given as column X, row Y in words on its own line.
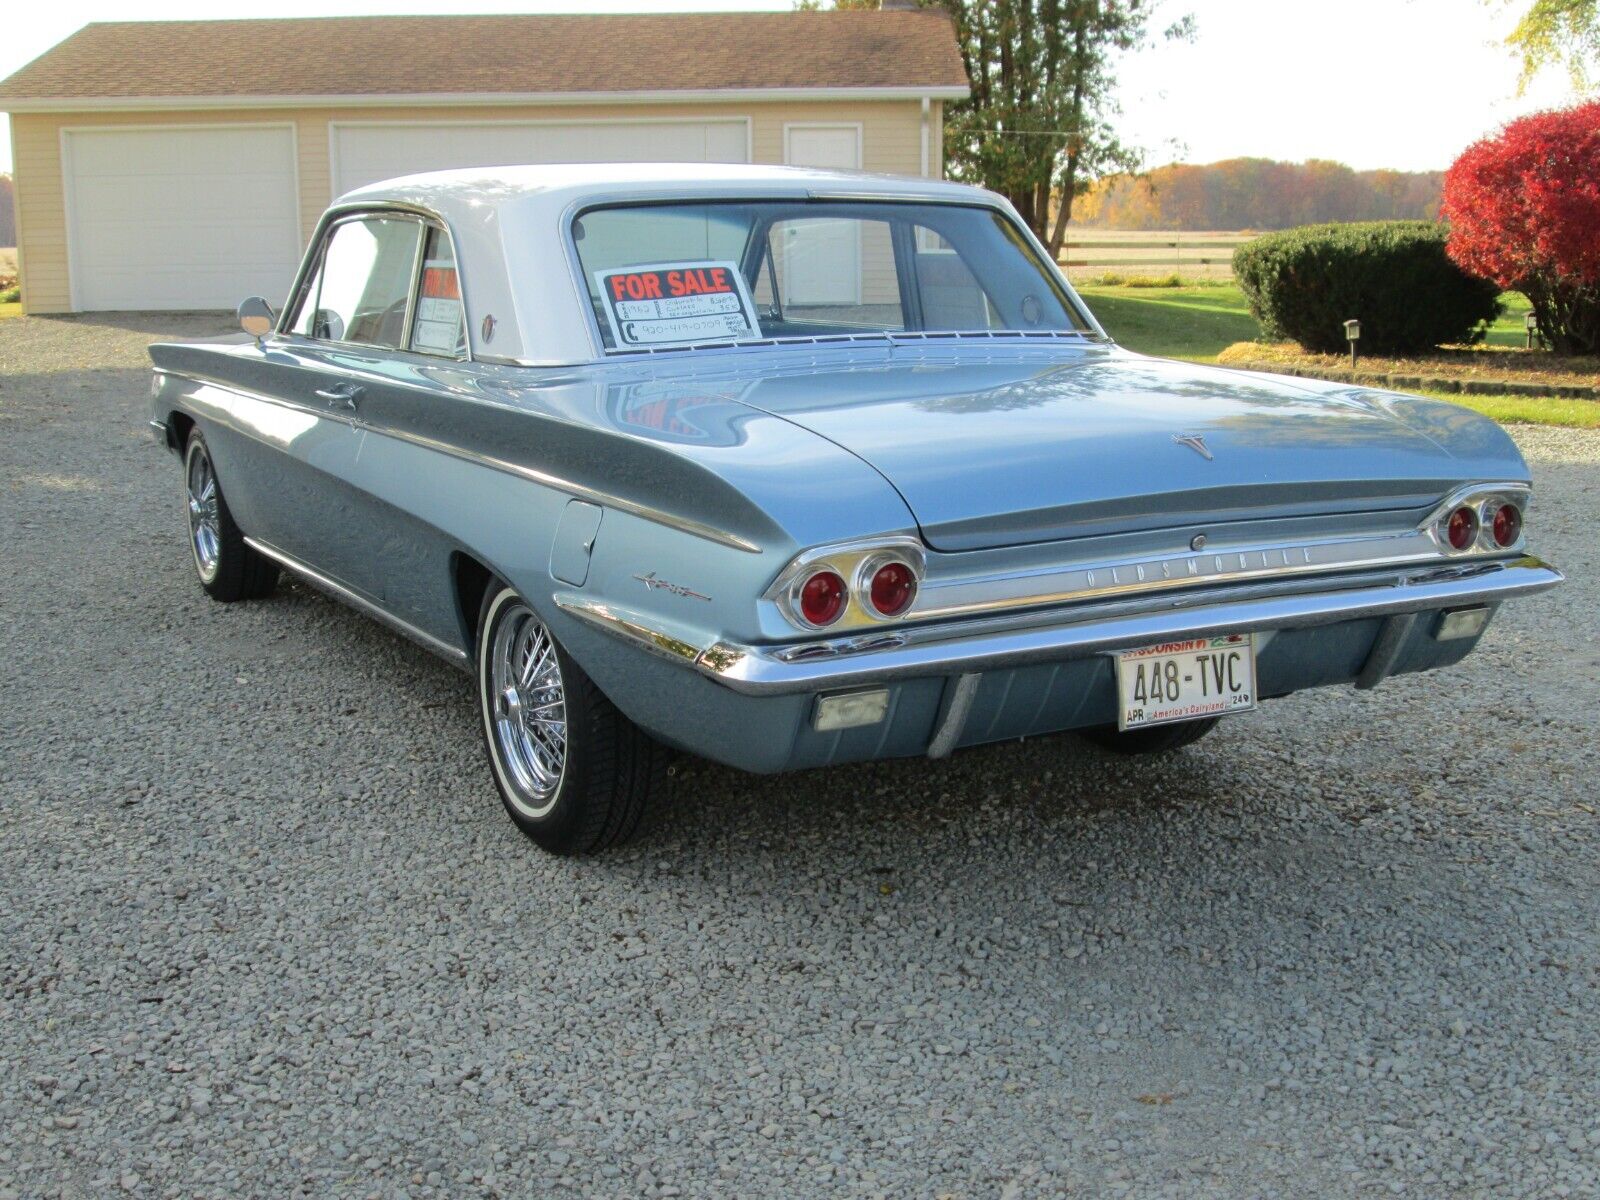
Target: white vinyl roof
column 509, row 225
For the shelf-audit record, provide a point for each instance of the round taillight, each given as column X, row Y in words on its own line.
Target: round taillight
column 822, row 598
column 1507, row 525
column 892, row 588
column 1461, row 528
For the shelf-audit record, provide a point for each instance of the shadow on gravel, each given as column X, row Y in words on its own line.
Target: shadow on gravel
column 159, row 324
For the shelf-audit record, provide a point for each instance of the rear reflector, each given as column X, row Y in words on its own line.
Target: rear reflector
column 850, row 710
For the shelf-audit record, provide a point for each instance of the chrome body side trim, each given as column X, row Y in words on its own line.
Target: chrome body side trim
column 359, row 602
column 630, row 627
column 969, row 647
column 566, row 486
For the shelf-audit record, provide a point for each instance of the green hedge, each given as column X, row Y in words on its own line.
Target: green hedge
column 1393, row 276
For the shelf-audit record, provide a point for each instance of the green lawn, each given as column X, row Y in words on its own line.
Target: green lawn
column 1183, row 322
column 1198, row 323
column 1528, row 410
column 1510, row 329
column 11, row 309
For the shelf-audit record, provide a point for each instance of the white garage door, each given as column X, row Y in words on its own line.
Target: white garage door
column 181, row 218
column 367, row 153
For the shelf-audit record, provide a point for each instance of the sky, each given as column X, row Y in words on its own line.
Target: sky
column 1405, row 84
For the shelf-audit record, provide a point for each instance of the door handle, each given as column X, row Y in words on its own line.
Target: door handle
column 345, row 395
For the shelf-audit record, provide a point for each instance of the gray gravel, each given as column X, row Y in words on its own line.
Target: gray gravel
column 265, row 930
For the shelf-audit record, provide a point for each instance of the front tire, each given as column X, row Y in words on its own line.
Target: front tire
column 1157, row 739
column 574, row 774
column 228, row 568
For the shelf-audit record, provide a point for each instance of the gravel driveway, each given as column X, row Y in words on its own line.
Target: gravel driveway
column 265, row 930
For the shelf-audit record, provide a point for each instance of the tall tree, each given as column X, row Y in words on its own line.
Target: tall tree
column 1039, row 125
column 1040, row 121
column 1563, row 33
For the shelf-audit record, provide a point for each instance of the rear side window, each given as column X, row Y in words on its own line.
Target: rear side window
column 438, row 324
column 361, row 291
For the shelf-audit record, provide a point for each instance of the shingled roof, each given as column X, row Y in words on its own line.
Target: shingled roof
column 487, row 56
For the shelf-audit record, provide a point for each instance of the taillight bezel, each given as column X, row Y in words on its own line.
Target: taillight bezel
column 856, row 563
column 1484, row 502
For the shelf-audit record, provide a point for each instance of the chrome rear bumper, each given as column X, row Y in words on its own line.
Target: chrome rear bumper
column 993, row 643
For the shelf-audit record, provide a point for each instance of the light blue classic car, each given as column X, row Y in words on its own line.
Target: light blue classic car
column 788, row 468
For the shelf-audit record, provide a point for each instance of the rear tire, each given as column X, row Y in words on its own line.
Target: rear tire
column 1158, row 739
column 574, row 774
column 228, row 568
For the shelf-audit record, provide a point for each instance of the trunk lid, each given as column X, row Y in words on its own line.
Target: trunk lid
column 989, row 454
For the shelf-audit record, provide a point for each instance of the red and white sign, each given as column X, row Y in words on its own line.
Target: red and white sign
column 677, row 304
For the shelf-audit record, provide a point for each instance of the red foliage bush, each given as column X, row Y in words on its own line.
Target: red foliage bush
column 1524, row 210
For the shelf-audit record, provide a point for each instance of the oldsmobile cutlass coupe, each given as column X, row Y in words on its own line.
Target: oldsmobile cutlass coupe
column 789, row 468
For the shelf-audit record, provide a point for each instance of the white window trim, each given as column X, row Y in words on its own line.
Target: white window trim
column 790, row 126
column 65, row 152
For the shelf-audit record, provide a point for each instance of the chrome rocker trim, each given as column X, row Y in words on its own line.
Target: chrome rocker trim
column 355, row 600
column 972, row 646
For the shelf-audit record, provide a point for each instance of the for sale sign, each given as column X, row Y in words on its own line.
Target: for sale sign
column 678, row 304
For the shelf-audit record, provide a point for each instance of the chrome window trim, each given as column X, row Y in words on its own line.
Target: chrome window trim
column 326, row 235
column 417, row 255
column 1052, row 271
column 341, row 213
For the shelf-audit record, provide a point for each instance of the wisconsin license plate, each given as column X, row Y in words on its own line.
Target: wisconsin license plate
column 1183, row 681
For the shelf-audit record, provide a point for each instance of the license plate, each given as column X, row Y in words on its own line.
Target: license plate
column 1183, row 681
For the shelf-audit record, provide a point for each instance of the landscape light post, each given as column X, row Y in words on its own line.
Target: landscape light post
column 1531, row 322
column 1352, row 332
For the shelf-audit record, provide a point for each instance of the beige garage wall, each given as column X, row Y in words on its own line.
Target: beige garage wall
column 891, row 142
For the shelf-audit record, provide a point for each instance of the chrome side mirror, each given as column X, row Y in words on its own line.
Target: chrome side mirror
column 256, row 317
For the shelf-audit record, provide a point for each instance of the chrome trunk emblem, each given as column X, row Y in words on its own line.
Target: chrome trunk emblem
column 1195, row 442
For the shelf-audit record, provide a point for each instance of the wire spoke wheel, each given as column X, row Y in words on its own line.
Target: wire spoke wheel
column 205, row 529
column 529, row 717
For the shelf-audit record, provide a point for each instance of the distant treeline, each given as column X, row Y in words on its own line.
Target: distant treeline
column 1257, row 193
column 8, row 213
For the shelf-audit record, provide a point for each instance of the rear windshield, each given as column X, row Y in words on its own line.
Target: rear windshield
column 664, row 275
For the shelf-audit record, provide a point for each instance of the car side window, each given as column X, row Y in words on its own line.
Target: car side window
column 361, row 290
column 438, row 324
column 952, row 297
